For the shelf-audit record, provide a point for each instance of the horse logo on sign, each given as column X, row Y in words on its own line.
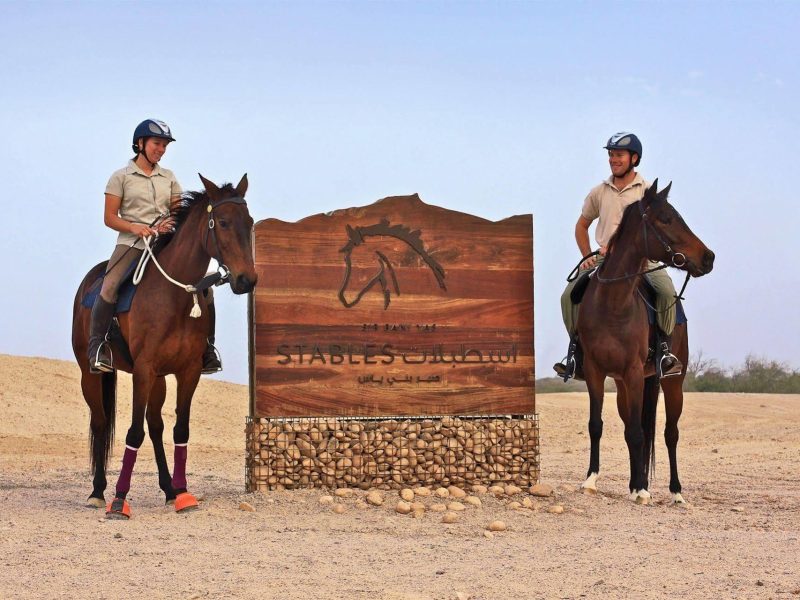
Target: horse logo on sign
column 358, row 238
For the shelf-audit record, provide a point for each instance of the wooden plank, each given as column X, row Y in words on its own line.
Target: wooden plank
column 397, row 308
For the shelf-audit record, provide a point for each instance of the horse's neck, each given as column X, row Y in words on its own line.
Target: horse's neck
column 185, row 258
column 625, row 259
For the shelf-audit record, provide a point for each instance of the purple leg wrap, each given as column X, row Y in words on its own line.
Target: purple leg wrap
column 124, row 481
column 179, row 474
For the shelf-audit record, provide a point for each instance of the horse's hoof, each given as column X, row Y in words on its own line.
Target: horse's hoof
column 118, row 509
column 590, row 485
column 678, row 500
column 170, row 501
column 93, row 502
column 589, row 491
column 642, row 497
column 185, row 502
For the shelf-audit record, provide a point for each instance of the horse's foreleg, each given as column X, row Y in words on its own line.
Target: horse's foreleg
column 594, row 382
column 155, row 427
column 187, row 383
column 142, row 384
column 673, row 401
column 634, row 434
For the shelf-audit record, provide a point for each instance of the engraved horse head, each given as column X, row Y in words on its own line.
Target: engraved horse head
column 358, row 237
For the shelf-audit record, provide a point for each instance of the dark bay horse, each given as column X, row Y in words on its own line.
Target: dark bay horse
column 615, row 336
column 163, row 339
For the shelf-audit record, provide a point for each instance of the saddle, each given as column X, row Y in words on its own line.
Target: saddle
column 645, row 289
column 125, row 292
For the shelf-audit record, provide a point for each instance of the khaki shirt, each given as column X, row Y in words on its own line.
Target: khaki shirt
column 144, row 197
column 608, row 203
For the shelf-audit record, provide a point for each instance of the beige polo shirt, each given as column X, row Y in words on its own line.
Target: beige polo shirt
column 607, row 203
column 144, row 197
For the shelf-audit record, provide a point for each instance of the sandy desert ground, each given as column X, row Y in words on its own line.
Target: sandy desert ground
column 737, row 538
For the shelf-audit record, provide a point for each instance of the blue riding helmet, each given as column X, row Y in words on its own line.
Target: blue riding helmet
column 151, row 128
column 625, row 141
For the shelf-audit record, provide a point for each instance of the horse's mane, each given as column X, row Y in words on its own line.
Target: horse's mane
column 626, row 216
column 180, row 210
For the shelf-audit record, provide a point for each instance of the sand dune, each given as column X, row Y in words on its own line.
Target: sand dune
column 738, row 538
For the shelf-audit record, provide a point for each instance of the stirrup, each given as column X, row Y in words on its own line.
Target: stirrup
column 675, row 369
column 98, row 366
column 212, row 361
column 566, row 368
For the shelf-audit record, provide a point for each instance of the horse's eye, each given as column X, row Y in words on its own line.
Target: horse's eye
column 222, row 223
column 664, row 218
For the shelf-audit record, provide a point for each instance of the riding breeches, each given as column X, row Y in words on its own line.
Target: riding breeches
column 665, row 300
column 121, row 259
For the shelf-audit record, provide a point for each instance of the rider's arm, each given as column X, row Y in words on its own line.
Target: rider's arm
column 582, row 235
column 114, row 221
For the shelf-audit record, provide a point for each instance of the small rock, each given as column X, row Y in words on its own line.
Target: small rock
column 415, row 506
column 343, row 492
column 247, row 507
column 479, row 489
column 449, row 517
column 556, row 509
column 542, row 490
column 497, row 526
column 361, row 504
column 514, row 505
column 462, row 596
column 488, row 534
column 418, row 514
column 422, row 492
column 326, row 499
column 407, row 494
column 118, row 535
column 438, row 507
column 512, row 490
column 338, row 508
column 456, row 492
column 456, row 506
column 737, row 509
column 715, row 451
column 527, row 502
column 375, row 498
column 759, row 582
column 474, row 501
column 403, row 507
column 497, row 490
column 442, row 492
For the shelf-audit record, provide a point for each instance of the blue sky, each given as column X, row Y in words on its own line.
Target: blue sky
column 493, row 109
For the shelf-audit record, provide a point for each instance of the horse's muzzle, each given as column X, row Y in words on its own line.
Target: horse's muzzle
column 243, row 284
column 705, row 266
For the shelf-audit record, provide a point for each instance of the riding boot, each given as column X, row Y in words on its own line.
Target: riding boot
column 571, row 366
column 669, row 364
column 100, row 357
column 212, row 362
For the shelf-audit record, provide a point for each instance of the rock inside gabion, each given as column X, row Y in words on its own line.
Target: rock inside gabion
column 451, row 454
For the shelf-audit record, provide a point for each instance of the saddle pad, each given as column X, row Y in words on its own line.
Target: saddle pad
column 680, row 315
column 124, row 294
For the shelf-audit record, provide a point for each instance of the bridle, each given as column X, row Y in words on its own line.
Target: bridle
column 223, row 272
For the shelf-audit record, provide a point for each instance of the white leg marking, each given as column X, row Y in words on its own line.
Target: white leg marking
column 590, row 485
column 678, row 499
column 642, row 497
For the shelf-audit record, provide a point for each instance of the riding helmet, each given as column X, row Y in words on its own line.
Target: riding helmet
column 151, row 128
column 625, row 141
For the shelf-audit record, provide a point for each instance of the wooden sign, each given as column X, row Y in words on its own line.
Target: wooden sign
column 398, row 308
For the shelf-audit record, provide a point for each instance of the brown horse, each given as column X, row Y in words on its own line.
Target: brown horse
column 162, row 339
column 615, row 336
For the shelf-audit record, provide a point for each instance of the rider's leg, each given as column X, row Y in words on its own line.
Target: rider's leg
column 666, row 311
column 569, row 367
column 212, row 363
column 100, row 359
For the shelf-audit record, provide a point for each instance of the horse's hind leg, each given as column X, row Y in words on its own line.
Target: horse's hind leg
column 673, row 402
column 155, row 427
column 594, row 382
column 100, row 394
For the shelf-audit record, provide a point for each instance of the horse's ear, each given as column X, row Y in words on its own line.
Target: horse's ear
column 241, row 188
column 662, row 195
column 211, row 187
column 651, row 193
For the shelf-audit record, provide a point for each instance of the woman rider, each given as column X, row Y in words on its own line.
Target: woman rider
column 136, row 196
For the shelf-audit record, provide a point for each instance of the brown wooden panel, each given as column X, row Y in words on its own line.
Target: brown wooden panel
column 397, row 308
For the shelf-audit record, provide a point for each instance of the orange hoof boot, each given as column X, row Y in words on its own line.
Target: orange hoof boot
column 185, row 502
column 118, row 508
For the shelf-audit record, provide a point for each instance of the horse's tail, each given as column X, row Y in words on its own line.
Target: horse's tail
column 109, row 387
column 649, row 405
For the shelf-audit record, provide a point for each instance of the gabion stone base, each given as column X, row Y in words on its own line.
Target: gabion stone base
column 391, row 453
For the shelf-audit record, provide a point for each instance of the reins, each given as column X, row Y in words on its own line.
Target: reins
column 218, row 278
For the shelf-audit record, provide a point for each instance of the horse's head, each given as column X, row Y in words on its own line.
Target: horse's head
column 372, row 264
column 667, row 237
column 228, row 238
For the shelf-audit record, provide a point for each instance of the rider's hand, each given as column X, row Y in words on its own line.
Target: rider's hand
column 591, row 262
column 141, row 230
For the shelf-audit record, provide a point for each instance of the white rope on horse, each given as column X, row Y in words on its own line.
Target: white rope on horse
column 147, row 255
